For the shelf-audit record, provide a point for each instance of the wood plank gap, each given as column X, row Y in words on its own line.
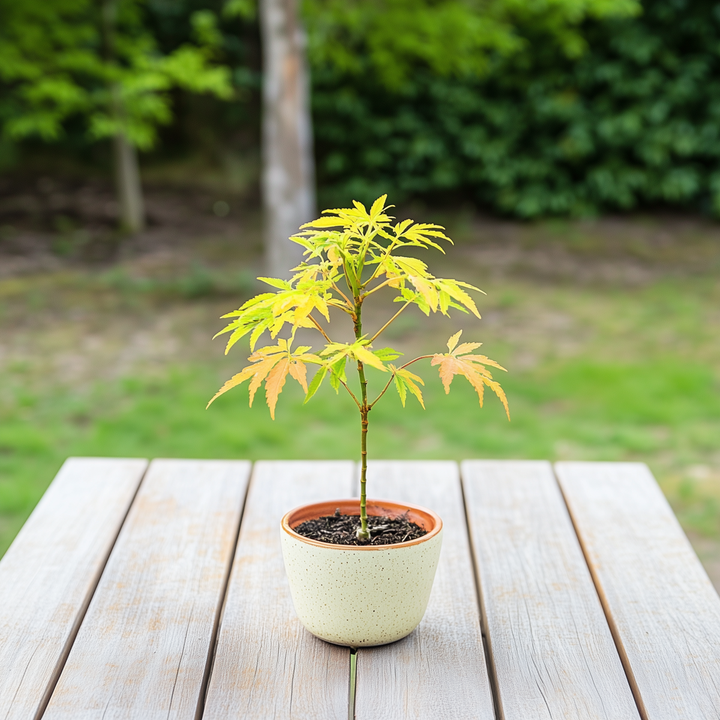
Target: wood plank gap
column 142, row 651
column 663, row 605
column 439, row 670
column 547, row 636
column 632, row 682
column 353, row 684
column 83, row 611
column 50, row 573
column 489, row 663
column 267, row 665
column 221, row 607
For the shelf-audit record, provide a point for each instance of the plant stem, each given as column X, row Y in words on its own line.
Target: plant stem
column 362, row 532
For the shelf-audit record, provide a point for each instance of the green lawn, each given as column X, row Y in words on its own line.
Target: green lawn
column 90, row 367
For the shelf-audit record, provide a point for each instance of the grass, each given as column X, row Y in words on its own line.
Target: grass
column 118, row 367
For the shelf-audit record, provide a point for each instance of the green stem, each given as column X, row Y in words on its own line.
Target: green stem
column 362, row 533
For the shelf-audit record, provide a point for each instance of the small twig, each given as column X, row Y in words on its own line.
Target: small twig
column 342, row 294
column 317, row 325
column 392, row 375
column 352, row 394
column 388, row 322
column 381, row 285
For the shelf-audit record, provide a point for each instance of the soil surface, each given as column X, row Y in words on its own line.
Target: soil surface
column 340, row 529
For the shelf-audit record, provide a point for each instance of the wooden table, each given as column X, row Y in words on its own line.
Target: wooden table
column 158, row 591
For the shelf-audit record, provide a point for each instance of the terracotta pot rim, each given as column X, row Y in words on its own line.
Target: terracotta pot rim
column 327, row 507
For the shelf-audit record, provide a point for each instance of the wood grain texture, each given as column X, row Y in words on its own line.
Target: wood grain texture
column 663, row 609
column 266, row 664
column 439, row 670
column 143, row 649
column 549, row 642
column 50, row 572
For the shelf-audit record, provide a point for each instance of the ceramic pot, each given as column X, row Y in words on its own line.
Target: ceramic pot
column 361, row 596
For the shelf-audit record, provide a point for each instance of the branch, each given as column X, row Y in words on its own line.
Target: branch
column 382, row 284
column 392, row 376
column 317, row 325
column 342, row 294
column 352, row 394
column 388, row 322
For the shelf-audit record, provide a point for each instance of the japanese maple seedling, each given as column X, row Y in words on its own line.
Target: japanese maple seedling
column 350, row 254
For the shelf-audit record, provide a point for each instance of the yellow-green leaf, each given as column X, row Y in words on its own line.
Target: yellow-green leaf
column 453, row 341
column 366, row 356
column 323, row 222
column 316, row 382
column 377, row 207
column 410, row 380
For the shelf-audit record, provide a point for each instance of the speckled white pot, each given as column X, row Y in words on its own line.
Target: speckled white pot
column 361, row 596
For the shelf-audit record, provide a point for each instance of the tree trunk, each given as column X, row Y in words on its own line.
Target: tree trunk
column 127, row 170
column 127, row 182
column 288, row 172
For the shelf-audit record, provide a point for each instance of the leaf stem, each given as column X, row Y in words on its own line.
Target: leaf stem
column 383, row 284
column 388, row 322
column 317, row 325
column 342, row 294
column 352, row 394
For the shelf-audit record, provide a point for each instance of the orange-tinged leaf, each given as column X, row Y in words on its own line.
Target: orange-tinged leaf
column 261, row 370
column 495, row 387
column 298, row 370
column 481, row 359
column 234, row 381
column 465, row 348
column 471, row 367
column 275, row 382
column 426, row 289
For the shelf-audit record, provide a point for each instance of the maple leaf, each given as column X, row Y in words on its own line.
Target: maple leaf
column 275, row 382
column 272, row 365
column 471, row 367
column 404, row 381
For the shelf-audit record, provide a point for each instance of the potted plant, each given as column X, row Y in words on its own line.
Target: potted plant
column 360, row 571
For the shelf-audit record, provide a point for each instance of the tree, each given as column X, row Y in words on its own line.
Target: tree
column 288, row 165
column 288, row 174
column 387, row 40
column 78, row 58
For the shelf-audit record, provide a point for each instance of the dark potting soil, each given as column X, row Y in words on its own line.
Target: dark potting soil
column 342, row 529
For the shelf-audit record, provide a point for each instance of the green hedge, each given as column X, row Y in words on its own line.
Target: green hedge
column 635, row 122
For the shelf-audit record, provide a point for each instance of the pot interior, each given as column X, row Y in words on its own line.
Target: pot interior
column 426, row 519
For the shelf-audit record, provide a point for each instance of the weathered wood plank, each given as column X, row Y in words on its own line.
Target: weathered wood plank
column 548, row 640
column 663, row 609
column 144, row 647
column 439, row 670
column 50, row 572
column 266, row 664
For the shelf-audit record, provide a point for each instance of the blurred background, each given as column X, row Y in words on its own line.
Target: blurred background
column 156, row 154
